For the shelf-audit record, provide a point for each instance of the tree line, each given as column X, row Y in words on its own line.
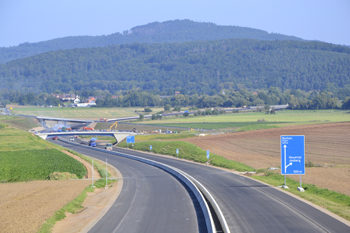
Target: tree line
column 296, row 99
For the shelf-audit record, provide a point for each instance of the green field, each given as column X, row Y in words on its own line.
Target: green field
column 24, row 156
column 36, row 165
column 82, row 113
column 301, row 116
column 220, row 125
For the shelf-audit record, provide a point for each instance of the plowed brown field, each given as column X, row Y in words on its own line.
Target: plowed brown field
column 326, row 145
column 25, row 206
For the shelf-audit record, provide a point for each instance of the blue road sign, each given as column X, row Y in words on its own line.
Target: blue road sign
column 150, row 147
column 293, row 155
column 177, row 151
column 207, row 154
column 130, row 139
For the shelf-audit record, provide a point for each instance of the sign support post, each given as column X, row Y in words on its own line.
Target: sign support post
column 293, row 157
column 92, row 172
column 208, row 157
column 106, row 175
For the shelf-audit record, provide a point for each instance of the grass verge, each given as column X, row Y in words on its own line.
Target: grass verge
column 335, row 202
column 187, row 151
column 73, row 206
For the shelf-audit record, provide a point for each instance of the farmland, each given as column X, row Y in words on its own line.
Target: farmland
column 327, row 148
column 287, row 116
column 36, row 165
column 82, row 113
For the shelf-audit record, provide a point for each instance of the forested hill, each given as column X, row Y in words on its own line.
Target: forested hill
column 202, row 67
column 169, row 31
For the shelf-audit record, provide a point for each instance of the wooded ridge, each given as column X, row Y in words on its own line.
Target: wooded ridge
column 204, row 67
column 164, row 32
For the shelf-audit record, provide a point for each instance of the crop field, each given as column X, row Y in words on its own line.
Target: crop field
column 36, row 165
column 286, row 116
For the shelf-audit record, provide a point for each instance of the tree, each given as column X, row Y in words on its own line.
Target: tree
column 186, row 114
column 177, row 108
column 346, row 103
column 148, row 110
column 141, row 117
column 167, row 107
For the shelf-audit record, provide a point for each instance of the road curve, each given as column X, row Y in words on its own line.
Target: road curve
column 151, row 200
column 250, row 206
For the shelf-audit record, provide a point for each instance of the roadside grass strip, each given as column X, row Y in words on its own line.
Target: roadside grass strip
column 187, row 151
column 36, row 165
column 163, row 136
column 74, row 206
column 100, row 166
column 335, row 202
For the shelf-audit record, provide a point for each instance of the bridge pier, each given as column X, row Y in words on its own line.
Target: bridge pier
column 43, row 123
column 119, row 137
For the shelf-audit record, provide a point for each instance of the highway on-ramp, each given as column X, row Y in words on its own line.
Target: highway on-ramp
column 248, row 205
column 151, row 200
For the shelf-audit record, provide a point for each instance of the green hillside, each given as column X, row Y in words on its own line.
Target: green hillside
column 192, row 67
column 165, row 32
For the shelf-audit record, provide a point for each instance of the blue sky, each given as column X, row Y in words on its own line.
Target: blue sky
column 40, row 20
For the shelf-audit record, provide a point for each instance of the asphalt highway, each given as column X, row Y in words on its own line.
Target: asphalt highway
column 247, row 205
column 151, row 200
column 250, row 206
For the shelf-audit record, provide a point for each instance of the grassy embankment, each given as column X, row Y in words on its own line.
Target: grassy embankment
column 186, row 151
column 335, row 202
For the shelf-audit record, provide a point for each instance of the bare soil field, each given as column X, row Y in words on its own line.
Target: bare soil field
column 25, row 206
column 326, row 145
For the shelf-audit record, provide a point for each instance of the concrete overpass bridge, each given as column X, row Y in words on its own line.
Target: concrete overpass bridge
column 119, row 136
column 42, row 120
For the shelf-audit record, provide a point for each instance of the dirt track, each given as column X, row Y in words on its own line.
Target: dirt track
column 326, row 145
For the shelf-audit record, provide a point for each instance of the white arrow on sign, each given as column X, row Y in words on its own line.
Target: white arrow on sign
column 285, row 159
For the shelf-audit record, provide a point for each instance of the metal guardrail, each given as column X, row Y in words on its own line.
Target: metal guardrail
column 197, row 188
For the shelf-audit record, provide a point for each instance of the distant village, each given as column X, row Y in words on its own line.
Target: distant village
column 74, row 100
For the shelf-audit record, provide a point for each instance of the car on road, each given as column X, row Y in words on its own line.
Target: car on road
column 71, row 138
column 54, row 138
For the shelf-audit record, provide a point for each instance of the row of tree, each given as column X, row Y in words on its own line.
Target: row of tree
column 296, row 99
